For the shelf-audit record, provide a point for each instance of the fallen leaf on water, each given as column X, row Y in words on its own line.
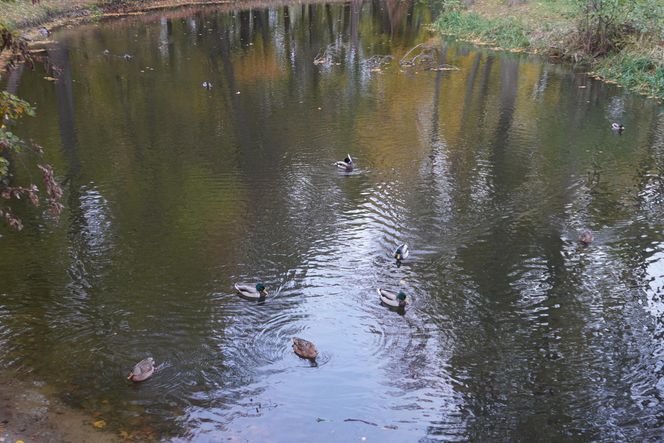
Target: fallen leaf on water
column 50, row 79
column 99, row 424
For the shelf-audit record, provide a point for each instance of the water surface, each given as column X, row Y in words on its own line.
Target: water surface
column 515, row 331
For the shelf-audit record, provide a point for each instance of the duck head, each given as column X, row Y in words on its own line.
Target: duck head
column 586, row 238
column 260, row 287
column 401, row 296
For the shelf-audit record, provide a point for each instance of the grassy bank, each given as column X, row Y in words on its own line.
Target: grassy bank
column 628, row 50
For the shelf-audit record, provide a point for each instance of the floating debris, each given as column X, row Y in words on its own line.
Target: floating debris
column 427, row 57
column 330, row 55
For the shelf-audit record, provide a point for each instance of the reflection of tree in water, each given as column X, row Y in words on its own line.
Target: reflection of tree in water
column 399, row 15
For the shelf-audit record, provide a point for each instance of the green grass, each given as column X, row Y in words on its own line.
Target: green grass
column 551, row 28
column 23, row 13
column 506, row 32
column 637, row 71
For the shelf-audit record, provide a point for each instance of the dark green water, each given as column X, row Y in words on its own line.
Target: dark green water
column 516, row 332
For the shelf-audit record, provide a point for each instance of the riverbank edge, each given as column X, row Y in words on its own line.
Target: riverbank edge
column 506, row 31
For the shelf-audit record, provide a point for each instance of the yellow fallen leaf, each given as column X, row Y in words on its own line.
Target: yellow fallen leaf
column 20, row 441
column 99, row 424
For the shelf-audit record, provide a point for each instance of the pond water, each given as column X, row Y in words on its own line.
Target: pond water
column 174, row 192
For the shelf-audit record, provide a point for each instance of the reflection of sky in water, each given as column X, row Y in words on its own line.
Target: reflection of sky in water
column 655, row 279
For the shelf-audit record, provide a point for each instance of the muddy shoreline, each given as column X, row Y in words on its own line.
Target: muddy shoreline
column 30, row 412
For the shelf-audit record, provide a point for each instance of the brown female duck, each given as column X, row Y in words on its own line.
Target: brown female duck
column 142, row 371
column 305, row 349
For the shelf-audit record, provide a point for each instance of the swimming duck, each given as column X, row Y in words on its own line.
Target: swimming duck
column 305, row 349
column 392, row 299
column 617, row 127
column 346, row 165
column 586, row 237
column 401, row 252
column 207, row 85
column 257, row 293
column 142, row 371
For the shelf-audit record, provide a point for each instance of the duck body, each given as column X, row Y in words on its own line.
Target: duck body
column 346, row 165
column 401, row 252
column 304, row 348
column 257, row 293
column 207, row 85
column 392, row 300
column 617, row 127
column 142, row 371
column 586, row 238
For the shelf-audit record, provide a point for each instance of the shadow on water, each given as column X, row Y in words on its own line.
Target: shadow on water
column 175, row 192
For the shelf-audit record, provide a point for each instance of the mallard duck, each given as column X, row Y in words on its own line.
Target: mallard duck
column 207, row 85
column 586, row 237
column 401, row 252
column 257, row 293
column 142, row 371
column 617, row 127
column 392, row 299
column 346, row 165
column 304, row 349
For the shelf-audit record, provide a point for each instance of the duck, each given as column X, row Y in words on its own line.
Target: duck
column 393, row 300
column 142, row 371
column 346, row 165
column 401, row 252
column 257, row 293
column 305, row 349
column 617, row 127
column 207, row 85
column 586, row 237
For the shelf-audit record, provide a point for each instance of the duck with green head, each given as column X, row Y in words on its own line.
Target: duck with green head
column 396, row 300
column 259, row 292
